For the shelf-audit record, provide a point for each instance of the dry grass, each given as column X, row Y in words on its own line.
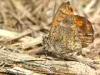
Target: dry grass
column 18, row 16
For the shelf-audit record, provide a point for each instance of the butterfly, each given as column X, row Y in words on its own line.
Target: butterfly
column 69, row 32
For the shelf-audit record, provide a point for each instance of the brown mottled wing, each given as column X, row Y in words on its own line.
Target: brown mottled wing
column 63, row 11
column 85, row 30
